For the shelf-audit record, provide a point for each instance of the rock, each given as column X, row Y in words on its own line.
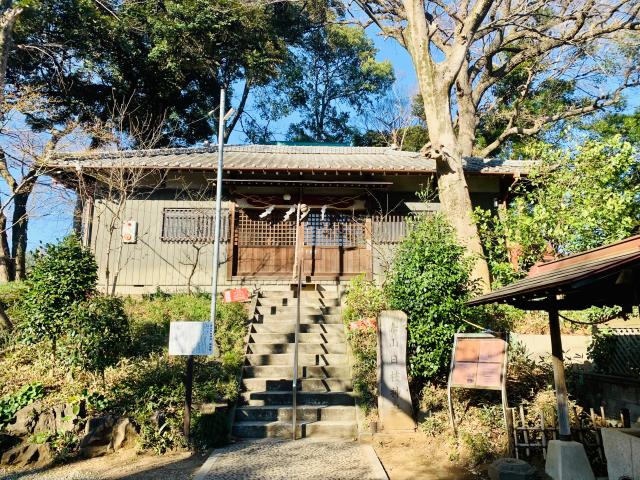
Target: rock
column 25, row 420
column 46, row 422
column 124, row 434
column 106, row 434
column 511, row 469
column 35, row 418
column 68, row 415
column 32, row 454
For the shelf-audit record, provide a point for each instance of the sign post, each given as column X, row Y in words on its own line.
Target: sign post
column 478, row 361
column 189, row 339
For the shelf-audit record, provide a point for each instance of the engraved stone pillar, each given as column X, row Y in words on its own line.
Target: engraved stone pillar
column 394, row 400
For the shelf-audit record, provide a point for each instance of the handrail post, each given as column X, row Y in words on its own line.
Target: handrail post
column 294, row 402
column 294, row 386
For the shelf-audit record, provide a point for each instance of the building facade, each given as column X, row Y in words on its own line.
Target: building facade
column 149, row 215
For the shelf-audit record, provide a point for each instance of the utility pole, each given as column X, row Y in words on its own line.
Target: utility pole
column 216, row 235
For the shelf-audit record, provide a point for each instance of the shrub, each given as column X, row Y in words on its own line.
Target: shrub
column 66, row 273
column 231, row 329
column 98, row 333
column 364, row 299
column 602, row 349
column 365, row 381
column 430, row 282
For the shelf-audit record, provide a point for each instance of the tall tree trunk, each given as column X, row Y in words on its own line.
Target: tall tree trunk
column 6, row 270
column 8, row 19
column 19, row 234
column 78, row 212
column 435, row 83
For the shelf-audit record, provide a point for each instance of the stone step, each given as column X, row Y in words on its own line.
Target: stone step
column 346, row 430
column 305, row 413
column 312, row 348
column 304, row 359
column 286, row 371
column 289, row 327
column 305, row 384
column 288, row 293
column 274, row 310
column 305, row 301
column 318, row 318
column 303, row 338
column 291, row 311
column 303, row 398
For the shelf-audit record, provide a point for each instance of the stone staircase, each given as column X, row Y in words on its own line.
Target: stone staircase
column 326, row 406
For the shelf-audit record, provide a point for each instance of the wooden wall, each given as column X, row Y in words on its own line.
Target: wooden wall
column 150, row 263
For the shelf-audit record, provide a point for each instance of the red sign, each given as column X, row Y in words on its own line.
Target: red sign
column 236, row 295
column 478, row 362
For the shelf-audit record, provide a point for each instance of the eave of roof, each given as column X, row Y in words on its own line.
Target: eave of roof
column 278, row 158
column 568, row 275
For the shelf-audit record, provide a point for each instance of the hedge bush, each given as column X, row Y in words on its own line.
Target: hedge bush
column 97, row 333
column 430, row 282
column 63, row 275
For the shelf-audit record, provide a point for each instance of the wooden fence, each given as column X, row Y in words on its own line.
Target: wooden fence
column 529, row 435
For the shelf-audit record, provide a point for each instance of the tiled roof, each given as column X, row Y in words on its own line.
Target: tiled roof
column 571, row 274
column 278, row 157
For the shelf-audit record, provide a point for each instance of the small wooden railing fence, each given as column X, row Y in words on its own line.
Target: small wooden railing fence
column 529, row 435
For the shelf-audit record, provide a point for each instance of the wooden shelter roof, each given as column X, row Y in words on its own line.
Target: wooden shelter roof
column 279, row 158
column 605, row 276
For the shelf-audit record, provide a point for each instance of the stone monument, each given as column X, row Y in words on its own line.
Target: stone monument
column 394, row 400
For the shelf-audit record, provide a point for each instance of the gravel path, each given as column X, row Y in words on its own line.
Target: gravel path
column 287, row 460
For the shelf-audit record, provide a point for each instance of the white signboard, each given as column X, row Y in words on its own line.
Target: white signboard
column 191, row 338
column 130, row 231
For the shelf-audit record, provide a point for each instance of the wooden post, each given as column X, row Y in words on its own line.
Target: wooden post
column 562, row 397
column 188, row 391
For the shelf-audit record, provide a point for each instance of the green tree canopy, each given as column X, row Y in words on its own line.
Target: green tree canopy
column 163, row 61
column 623, row 124
column 577, row 199
column 332, row 73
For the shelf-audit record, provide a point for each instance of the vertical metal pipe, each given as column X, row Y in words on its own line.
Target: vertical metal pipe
column 562, row 396
column 216, row 235
column 294, row 385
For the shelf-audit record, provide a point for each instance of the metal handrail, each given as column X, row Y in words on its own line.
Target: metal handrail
column 294, row 402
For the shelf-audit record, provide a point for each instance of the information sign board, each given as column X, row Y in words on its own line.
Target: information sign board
column 478, row 360
column 191, row 338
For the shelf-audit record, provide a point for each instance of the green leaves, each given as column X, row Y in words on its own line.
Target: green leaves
column 10, row 404
column 63, row 275
column 430, row 281
column 332, row 71
column 576, row 200
column 98, row 333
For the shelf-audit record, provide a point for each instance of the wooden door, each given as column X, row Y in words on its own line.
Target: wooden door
column 263, row 247
column 337, row 245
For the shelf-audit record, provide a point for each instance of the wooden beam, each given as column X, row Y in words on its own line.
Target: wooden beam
column 559, row 381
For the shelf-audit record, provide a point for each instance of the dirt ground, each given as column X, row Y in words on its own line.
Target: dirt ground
column 124, row 465
column 413, row 456
column 404, row 457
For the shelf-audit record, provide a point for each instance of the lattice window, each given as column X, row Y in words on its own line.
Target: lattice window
column 272, row 231
column 192, row 225
column 336, row 230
